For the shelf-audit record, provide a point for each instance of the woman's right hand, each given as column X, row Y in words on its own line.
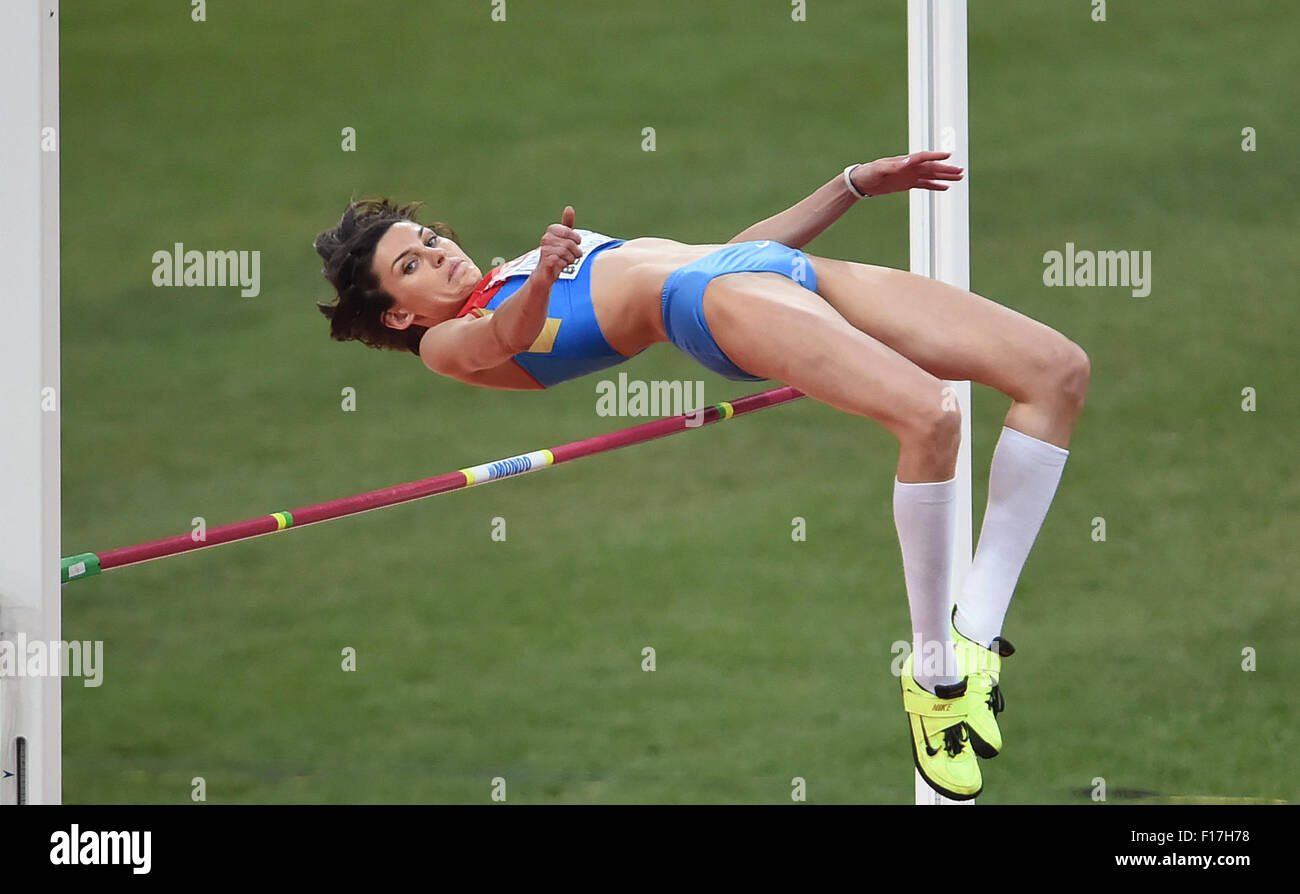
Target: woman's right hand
column 560, row 247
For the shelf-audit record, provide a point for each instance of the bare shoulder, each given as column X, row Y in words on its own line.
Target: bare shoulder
column 437, row 355
column 438, row 344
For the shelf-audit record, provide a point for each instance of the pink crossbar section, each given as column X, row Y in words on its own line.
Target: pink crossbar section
column 428, row 487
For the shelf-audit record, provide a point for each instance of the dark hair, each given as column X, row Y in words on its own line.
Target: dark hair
column 348, row 250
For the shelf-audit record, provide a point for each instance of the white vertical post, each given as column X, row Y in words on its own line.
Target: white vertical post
column 940, row 221
column 30, row 722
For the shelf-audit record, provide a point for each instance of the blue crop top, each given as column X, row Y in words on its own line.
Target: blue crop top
column 571, row 344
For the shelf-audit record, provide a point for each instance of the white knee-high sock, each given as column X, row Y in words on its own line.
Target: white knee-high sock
column 925, row 515
column 1022, row 482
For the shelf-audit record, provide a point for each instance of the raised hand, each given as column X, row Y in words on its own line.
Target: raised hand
column 560, row 247
column 920, row 170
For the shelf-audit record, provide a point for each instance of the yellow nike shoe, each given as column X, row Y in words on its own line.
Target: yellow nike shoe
column 983, row 669
column 941, row 746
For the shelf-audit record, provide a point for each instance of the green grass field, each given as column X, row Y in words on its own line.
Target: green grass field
column 522, row 659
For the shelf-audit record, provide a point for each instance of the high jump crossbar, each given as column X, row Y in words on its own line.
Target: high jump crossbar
column 89, row 564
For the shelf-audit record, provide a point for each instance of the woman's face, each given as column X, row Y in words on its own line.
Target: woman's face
column 428, row 275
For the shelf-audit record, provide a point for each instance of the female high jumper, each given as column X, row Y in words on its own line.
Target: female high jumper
column 868, row 340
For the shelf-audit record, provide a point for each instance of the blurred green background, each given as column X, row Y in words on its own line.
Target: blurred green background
column 522, row 659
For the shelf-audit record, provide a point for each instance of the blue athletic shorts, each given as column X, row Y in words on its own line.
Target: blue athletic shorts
column 683, row 296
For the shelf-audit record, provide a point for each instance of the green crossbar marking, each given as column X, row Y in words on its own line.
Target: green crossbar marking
column 83, row 565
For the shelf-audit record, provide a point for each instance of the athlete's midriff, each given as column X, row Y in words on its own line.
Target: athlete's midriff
column 627, row 284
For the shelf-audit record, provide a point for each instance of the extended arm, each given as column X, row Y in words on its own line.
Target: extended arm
column 466, row 345
column 799, row 224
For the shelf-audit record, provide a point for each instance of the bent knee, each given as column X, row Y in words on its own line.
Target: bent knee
column 1073, row 373
column 934, row 424
column 1060, row 374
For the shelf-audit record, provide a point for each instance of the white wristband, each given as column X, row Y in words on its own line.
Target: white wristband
column 848, row 181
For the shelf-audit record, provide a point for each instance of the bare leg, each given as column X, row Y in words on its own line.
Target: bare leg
column 772, row 327
column 954, row 334
column 957, row 335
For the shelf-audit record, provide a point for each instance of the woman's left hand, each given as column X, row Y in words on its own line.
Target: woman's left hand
column 920, row 170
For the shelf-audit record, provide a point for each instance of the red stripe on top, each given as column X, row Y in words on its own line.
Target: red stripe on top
column 482, row 294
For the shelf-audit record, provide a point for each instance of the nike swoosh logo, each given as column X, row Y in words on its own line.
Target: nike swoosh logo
column 926, row 738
